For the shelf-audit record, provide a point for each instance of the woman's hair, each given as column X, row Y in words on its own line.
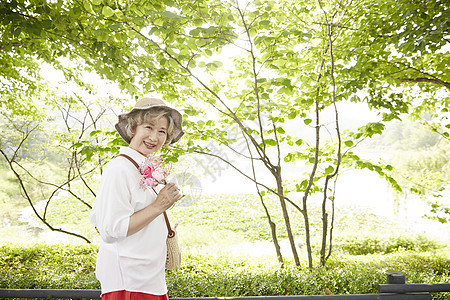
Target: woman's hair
column 139, row 117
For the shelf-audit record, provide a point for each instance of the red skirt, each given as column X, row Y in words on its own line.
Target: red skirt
column 126, row 295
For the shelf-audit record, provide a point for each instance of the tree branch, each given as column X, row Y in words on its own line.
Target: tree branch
column 427, row 80
column 28, row 197
column 248, row 177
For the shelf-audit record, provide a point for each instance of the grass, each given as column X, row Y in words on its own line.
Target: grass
column 220, row 223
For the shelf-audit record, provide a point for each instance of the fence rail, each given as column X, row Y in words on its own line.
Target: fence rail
column 414, row 288
column 50, row 294
column 395, row 289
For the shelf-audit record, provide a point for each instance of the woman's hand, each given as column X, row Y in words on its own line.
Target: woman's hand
column 167, row 196
column 165, row 199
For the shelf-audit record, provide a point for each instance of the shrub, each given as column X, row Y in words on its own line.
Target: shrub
column 47, row 266
column 387, row 244
column 72, row 266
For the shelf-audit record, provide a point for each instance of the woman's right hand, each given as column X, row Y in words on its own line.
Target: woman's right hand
column 165, row 199
column 167, row 196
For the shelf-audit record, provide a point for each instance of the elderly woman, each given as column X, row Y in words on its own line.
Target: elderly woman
column 132, row 252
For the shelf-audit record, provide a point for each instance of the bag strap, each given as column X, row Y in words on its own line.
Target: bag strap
column 166, row 218
column 171, row 232
column 132, row 160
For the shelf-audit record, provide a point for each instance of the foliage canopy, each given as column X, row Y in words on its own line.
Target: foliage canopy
column 269, row 68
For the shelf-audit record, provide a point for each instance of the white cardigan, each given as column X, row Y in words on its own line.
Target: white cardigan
column 135, row 263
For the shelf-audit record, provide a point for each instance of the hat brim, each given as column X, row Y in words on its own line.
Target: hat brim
column 175, row 114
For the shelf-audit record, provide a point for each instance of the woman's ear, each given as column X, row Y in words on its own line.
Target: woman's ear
column 133, row 132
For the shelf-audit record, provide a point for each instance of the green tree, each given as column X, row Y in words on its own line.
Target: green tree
column 405, row 54
column 286, row 64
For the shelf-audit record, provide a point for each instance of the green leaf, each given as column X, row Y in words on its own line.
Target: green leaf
column 107, row 11
column 169, row 14
column 288, row 157
column 77, row 145
column 218, row 63
column 329, row 170
column 261, row 80
column 348, row 143
column 270, row 142
column 299, row 142
column 264, row 23
column 211, row 67
column 195, row 32
column 88, row 7
column 307, row 121
column 303, row 185
column 292, row 115
column 94, row 132
column 47, row 24
column 16, row 31
column 280, row 130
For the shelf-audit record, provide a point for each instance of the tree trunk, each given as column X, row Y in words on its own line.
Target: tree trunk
column 324, row 233
column 307, row 232
column 273, row 232
column 287, row 220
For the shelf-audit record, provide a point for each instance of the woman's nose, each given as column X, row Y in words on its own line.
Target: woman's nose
column 152, row 135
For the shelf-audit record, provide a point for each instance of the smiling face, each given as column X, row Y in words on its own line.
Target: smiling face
column 150, row 136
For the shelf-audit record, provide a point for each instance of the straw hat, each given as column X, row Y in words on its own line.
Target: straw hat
column 148, row 104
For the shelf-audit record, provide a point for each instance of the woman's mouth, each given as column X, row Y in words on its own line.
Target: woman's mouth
column 149, row 145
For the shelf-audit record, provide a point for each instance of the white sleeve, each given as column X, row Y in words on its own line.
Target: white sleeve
column 112, row 208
